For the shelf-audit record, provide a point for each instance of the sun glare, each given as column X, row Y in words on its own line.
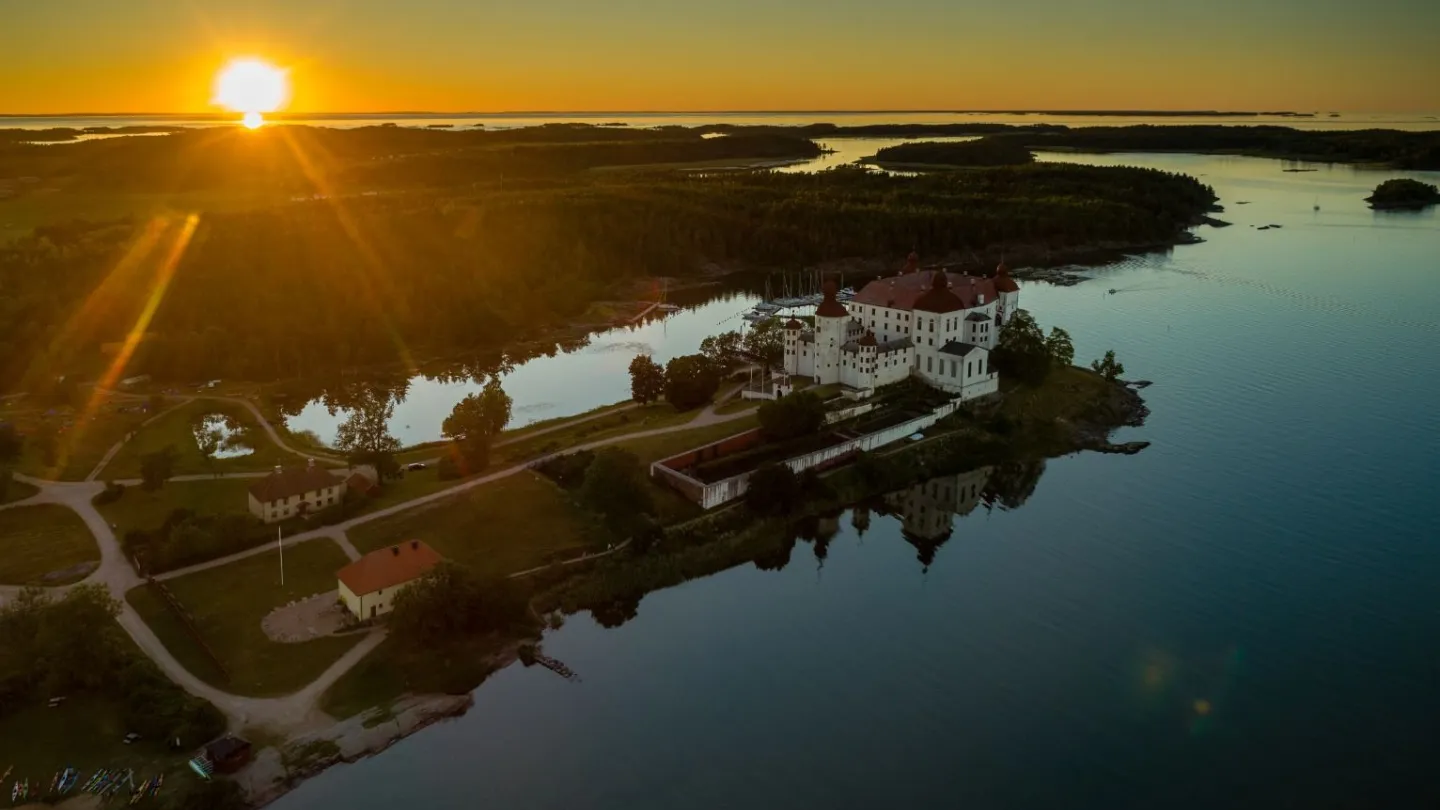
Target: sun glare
column 251, row 87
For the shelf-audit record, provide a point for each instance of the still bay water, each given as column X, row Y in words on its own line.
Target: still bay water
column 1243, row 615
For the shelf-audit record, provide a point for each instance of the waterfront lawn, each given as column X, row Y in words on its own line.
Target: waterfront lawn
column 1067, row 393
column 41, row 539
column 654, row 448
column 139, row 509
column 633, row 420
column 513, row 524
column 174, row 429
column 228, row 604
column 392, row 671
column 85, row 732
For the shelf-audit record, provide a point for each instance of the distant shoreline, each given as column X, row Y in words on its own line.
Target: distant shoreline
column 208, row 115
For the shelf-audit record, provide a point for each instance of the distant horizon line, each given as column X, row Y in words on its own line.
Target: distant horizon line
column 1091, row 111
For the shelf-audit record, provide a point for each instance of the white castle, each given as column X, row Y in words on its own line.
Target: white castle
column 936, row 325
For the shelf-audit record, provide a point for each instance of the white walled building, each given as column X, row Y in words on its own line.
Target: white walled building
column 368, row 586
column 936, row 325
column 291, row 491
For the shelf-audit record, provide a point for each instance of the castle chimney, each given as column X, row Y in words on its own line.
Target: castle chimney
column 279, row 469
column 414, row 545
column 395, row 550
column 312, row 463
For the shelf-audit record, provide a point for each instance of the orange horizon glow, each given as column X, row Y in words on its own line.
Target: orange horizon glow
column 160, row 56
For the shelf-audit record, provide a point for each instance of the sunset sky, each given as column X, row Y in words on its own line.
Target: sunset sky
column 484, row 55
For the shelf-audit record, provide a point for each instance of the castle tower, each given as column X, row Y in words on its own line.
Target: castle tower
column 830, row 320
column 1008, row 293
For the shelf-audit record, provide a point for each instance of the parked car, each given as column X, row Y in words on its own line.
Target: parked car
column 418, row 465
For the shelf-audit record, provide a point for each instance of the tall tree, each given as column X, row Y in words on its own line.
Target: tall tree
column 1022, row 350
column 615, row 487
column 766, row 339
column 722, row 350
column 1108, row 367
column 157, row 467
column 207, row 438
column 1062, row 351
column 365, row 437
column 11, row 444
column 800, row 414
column 690, row 381
column 647, row 379
column 476, row 420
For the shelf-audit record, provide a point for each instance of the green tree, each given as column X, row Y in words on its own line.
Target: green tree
column 766, row 340
column 647, row 379
column 774, row 489
column 365, row 437
column 476, row 420
column 208, row 438
column 11, row 444
column 722, row 350
column 690, row 381
column 615, row 487
column 1108, row 367
column 157, row 467
column 799, row 414
column 450, row 603
column 1022, row 350
column 1062, row 351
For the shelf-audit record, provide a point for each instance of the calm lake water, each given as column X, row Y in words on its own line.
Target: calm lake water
column 1243, row 615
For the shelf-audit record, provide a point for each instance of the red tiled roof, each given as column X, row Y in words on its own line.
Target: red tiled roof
column 360, row 482
column 389, row 567
column 1003, row 282
column 288, row 481
column 868, row 339
column 830, row 308
column 902, row 292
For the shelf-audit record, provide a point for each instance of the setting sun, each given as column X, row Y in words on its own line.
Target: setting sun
column 251, row 87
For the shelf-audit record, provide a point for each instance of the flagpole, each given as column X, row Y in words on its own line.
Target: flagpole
column 280, row 545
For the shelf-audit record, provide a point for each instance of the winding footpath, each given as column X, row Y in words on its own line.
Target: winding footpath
column 299, row 711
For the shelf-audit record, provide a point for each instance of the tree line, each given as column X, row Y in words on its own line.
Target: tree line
column 312, row 288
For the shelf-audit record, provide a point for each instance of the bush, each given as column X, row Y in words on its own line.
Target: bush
column 799, row 414
column 186, row 538
column 774, row 489
column 113, row 492
column 448, row 469
column 451, row 603
column 615, row 487
column 568, row 470
column 690, row 381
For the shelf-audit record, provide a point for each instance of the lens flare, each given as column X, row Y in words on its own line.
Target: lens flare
column 251, row 87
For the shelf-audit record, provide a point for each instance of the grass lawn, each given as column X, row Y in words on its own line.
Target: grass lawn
column 84, row 732
column 646, row 417
column 138, row 509
column 738, row 405
column 391, row 671
column 654, row 448
column 38, row 540
column 498, row 528
column 228, row 604
column 1065, row 393
column 80, row 442
column 175, row 429
column 16, row 490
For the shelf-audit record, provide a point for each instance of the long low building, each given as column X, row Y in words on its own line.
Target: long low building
column 290, row 491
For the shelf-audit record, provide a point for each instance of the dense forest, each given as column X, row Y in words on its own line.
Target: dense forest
column 1404, row 150
column 1403, row 193
column 982, row 152
column 313, row 286
column 303, row 159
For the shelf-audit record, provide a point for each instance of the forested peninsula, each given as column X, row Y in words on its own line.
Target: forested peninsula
column 312, row 283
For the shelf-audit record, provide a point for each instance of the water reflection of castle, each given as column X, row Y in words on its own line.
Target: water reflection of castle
column 927, row 511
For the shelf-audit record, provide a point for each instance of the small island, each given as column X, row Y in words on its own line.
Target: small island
column 992, row 151
column 1402, row 193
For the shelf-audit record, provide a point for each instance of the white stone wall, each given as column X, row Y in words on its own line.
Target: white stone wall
column 272, row 511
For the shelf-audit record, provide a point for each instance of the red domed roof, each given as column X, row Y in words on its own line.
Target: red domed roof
column 1003, row 282
column 940, row 298
column 793, row 324
column 868, row 339
column 830, row 308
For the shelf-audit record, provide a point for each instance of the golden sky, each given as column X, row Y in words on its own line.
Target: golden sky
column 60, row 56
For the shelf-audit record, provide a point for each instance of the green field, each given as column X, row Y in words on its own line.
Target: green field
column 228, row 604
column 654, row 448
column 16, row 490
column 509, row 525
column 80, row 442
column 391, row 671
column 19, row 215
column 138, row 509
column 175, row 429
column 38, row 540
column 85, row 732
column 634, row 420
